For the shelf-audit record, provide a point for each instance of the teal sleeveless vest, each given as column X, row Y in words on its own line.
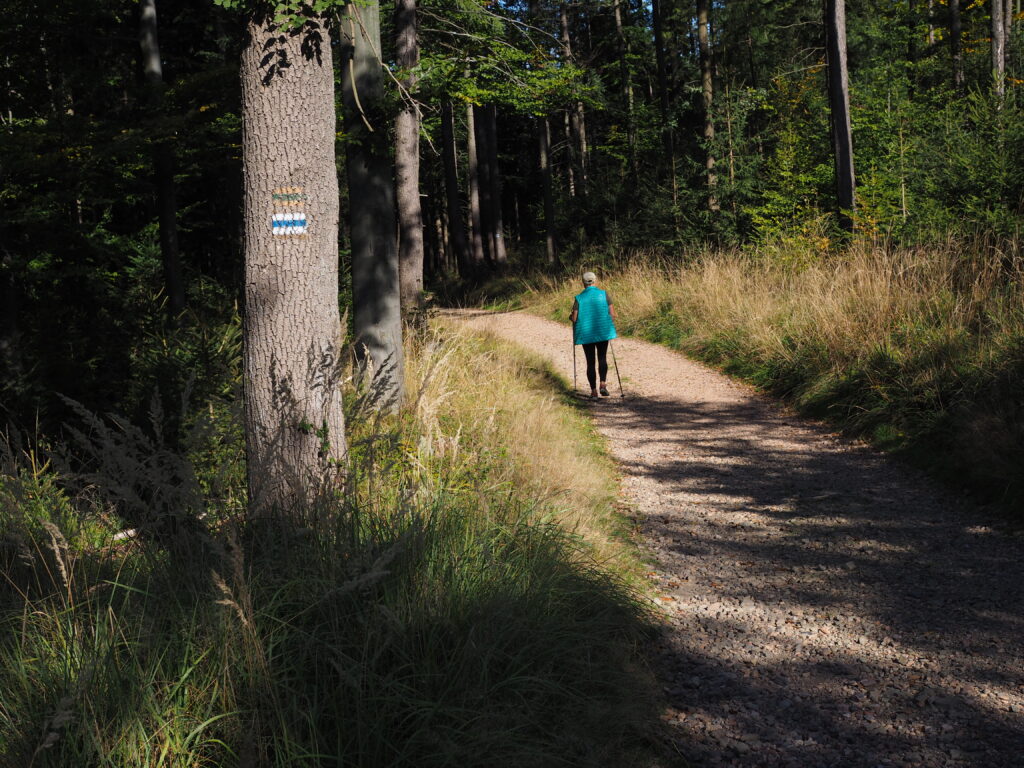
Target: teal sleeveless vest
column 594, row 322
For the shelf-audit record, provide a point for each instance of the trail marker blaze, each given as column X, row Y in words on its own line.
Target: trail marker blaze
column 288, row 221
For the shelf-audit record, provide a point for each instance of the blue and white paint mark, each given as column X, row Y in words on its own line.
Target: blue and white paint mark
column 293, row 223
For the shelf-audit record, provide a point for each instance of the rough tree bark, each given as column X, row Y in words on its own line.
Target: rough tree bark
column 707, row 91
column 163, row 162
column 407, row 167
column 839, row 104
column 376, row 302
column 457, row 242
column 295, row 428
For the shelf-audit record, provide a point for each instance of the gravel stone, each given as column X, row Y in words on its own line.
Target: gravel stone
column 825, row 597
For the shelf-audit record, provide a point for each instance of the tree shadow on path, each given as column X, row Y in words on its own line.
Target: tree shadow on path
column 832, row 608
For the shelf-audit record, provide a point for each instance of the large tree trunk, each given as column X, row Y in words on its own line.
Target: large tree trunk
column 998, row 48
column 376, row 315
column 475, row 216
column 544, row 145
column 407, row 167
column 956, row 44
column 839, row 103
column 163, row 163
column 295, row 428
column 707, row 91
column 457, row 242
column 497, row 224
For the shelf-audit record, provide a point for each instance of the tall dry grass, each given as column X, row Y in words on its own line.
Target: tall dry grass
column 457, row 604
column 477, row 398
column 921, row 349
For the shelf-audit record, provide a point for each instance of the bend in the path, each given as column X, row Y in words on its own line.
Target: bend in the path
column 830, row 607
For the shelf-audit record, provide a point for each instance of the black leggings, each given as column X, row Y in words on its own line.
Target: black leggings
column 601, row 348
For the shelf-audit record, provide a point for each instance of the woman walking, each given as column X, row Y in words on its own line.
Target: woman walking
column 593, row 326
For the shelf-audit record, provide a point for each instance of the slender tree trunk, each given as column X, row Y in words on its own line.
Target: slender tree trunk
column 659, row 54
column 475, row 216
column 483, row 166
column 570, row 150
column 667, row 137
column 839, row 103
column 10, row 348
column 441, row 265
column 295, row 428
column 457, row 242
column 729, row 137
column 497, row 224
column 956, row 44
column 707, row 90
column 581, row 138
column 998, row 48
column 1007, row 32
column 544, row 143
column 163, row 162
column 407, row 167
column 376, row 302
column 576, row 115
column 627, row 84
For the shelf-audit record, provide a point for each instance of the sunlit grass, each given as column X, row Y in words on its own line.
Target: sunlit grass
column 920, row 349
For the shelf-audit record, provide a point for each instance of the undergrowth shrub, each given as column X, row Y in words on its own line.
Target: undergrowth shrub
column 450, row 607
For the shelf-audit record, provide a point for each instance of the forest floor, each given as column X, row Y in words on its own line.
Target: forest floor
column 826, row 605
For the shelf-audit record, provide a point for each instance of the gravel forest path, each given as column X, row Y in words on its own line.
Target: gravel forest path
column 828, row 606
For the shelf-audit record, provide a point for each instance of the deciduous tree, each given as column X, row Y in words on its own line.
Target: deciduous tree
column 295, row 428
column 377, row 318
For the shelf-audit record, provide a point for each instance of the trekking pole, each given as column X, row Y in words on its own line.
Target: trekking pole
column 615, row 360
column 574, row 366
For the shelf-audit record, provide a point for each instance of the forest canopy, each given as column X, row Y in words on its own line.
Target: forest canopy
column 599, row 125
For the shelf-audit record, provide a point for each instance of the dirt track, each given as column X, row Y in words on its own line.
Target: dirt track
column 828, row 606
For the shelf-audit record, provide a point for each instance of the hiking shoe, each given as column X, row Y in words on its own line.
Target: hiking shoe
column 604, row 392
